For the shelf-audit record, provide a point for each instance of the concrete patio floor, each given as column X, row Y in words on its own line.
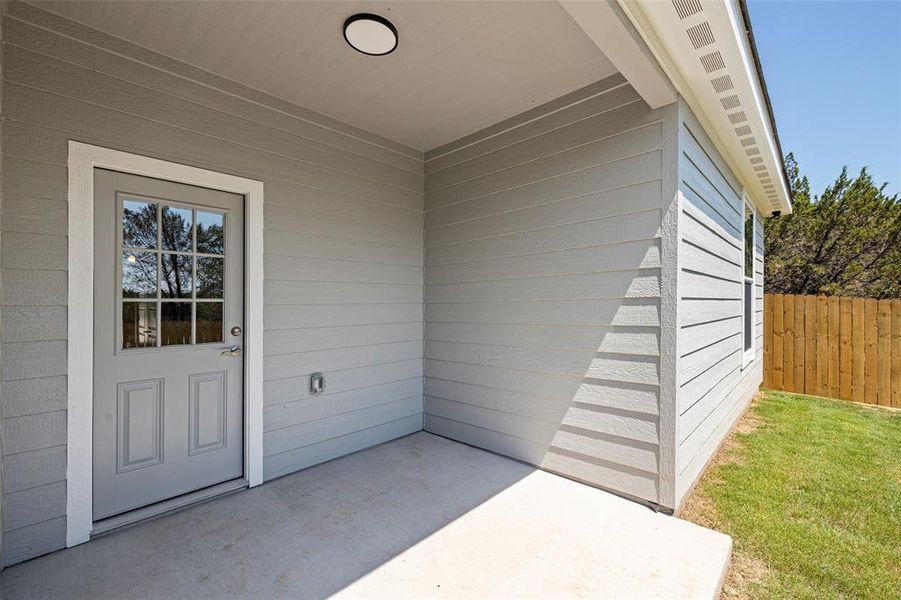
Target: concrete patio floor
column 420, row 517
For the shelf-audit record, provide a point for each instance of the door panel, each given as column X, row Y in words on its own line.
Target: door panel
column 168, row 289
column 139, row 424
column 208, row 403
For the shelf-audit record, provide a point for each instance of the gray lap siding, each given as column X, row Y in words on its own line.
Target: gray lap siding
column 714, row 387
column 542, row 287
column 343, row 251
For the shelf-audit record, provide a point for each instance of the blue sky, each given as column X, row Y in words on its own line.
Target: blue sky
column 833, row 69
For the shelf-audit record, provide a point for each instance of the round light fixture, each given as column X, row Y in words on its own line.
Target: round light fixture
column 370, row 34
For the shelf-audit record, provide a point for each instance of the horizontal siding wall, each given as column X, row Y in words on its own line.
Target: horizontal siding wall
column 714, row 390
column 343, row 251
column 542, row 315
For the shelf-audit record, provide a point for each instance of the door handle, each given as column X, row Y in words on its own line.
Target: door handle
column 231, row 351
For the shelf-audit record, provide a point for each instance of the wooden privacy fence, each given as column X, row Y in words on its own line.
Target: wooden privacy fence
column 839, row 347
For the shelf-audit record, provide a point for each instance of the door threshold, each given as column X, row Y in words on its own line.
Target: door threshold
column 164, row 507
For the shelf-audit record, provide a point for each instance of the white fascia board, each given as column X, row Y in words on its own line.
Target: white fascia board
column 704, row 49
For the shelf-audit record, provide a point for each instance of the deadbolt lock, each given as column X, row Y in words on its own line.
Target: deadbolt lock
column 236, row 330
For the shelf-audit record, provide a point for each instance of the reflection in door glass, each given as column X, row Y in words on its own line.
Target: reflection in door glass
column 176, row 323
column 138, row 274
column 139, row 225
column 177, row 278
column 138, row 324
column 210, row 233
column 209, row 322
column 209, row 277
column 174, row 256
column 177, row 224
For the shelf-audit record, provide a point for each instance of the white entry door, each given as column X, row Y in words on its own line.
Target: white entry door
column 168, row 331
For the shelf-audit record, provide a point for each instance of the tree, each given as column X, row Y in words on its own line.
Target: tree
column 845, row 242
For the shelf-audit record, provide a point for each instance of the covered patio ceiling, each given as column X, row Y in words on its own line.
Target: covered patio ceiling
column 459, row 66
column 417, row 517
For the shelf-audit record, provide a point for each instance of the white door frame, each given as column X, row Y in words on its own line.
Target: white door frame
column 83, row 158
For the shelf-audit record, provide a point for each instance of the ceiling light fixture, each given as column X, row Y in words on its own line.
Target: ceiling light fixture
column 370, row 34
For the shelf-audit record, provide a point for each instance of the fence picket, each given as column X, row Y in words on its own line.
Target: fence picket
column 788, row 340
column 858, row 352
column 896, row 353
column 800, row 342
column 884, row 354
column 778, row 341
column 844, row 348
column 871, row 328
column 768, row 340
column 832, row 339
column 822, row 344
column 810, row 354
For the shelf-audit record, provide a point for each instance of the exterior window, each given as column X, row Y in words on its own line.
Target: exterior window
column 748, row 287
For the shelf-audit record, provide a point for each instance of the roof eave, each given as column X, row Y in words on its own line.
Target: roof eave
column 707, row 50
column 749, row 32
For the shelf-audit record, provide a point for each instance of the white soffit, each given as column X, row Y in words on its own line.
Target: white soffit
column 703, row 47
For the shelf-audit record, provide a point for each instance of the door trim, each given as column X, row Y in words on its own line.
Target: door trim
column 83, row 159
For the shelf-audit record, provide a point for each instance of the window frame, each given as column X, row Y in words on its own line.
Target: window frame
column 747, row 321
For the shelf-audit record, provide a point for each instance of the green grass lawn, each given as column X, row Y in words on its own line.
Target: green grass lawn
column 810, row 491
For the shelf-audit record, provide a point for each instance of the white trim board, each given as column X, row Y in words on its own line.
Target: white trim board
column 83, row 159
column 747, row 356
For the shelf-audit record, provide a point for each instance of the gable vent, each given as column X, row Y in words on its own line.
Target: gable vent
column 738, row 117
column 766, row 180
column 748, row 141
column 713, row 62
column 752, row 151
column 686, row 8
column 730, row 102
column 756, row 160
column 760, row 168
column 743, row 130
column 700, row 35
